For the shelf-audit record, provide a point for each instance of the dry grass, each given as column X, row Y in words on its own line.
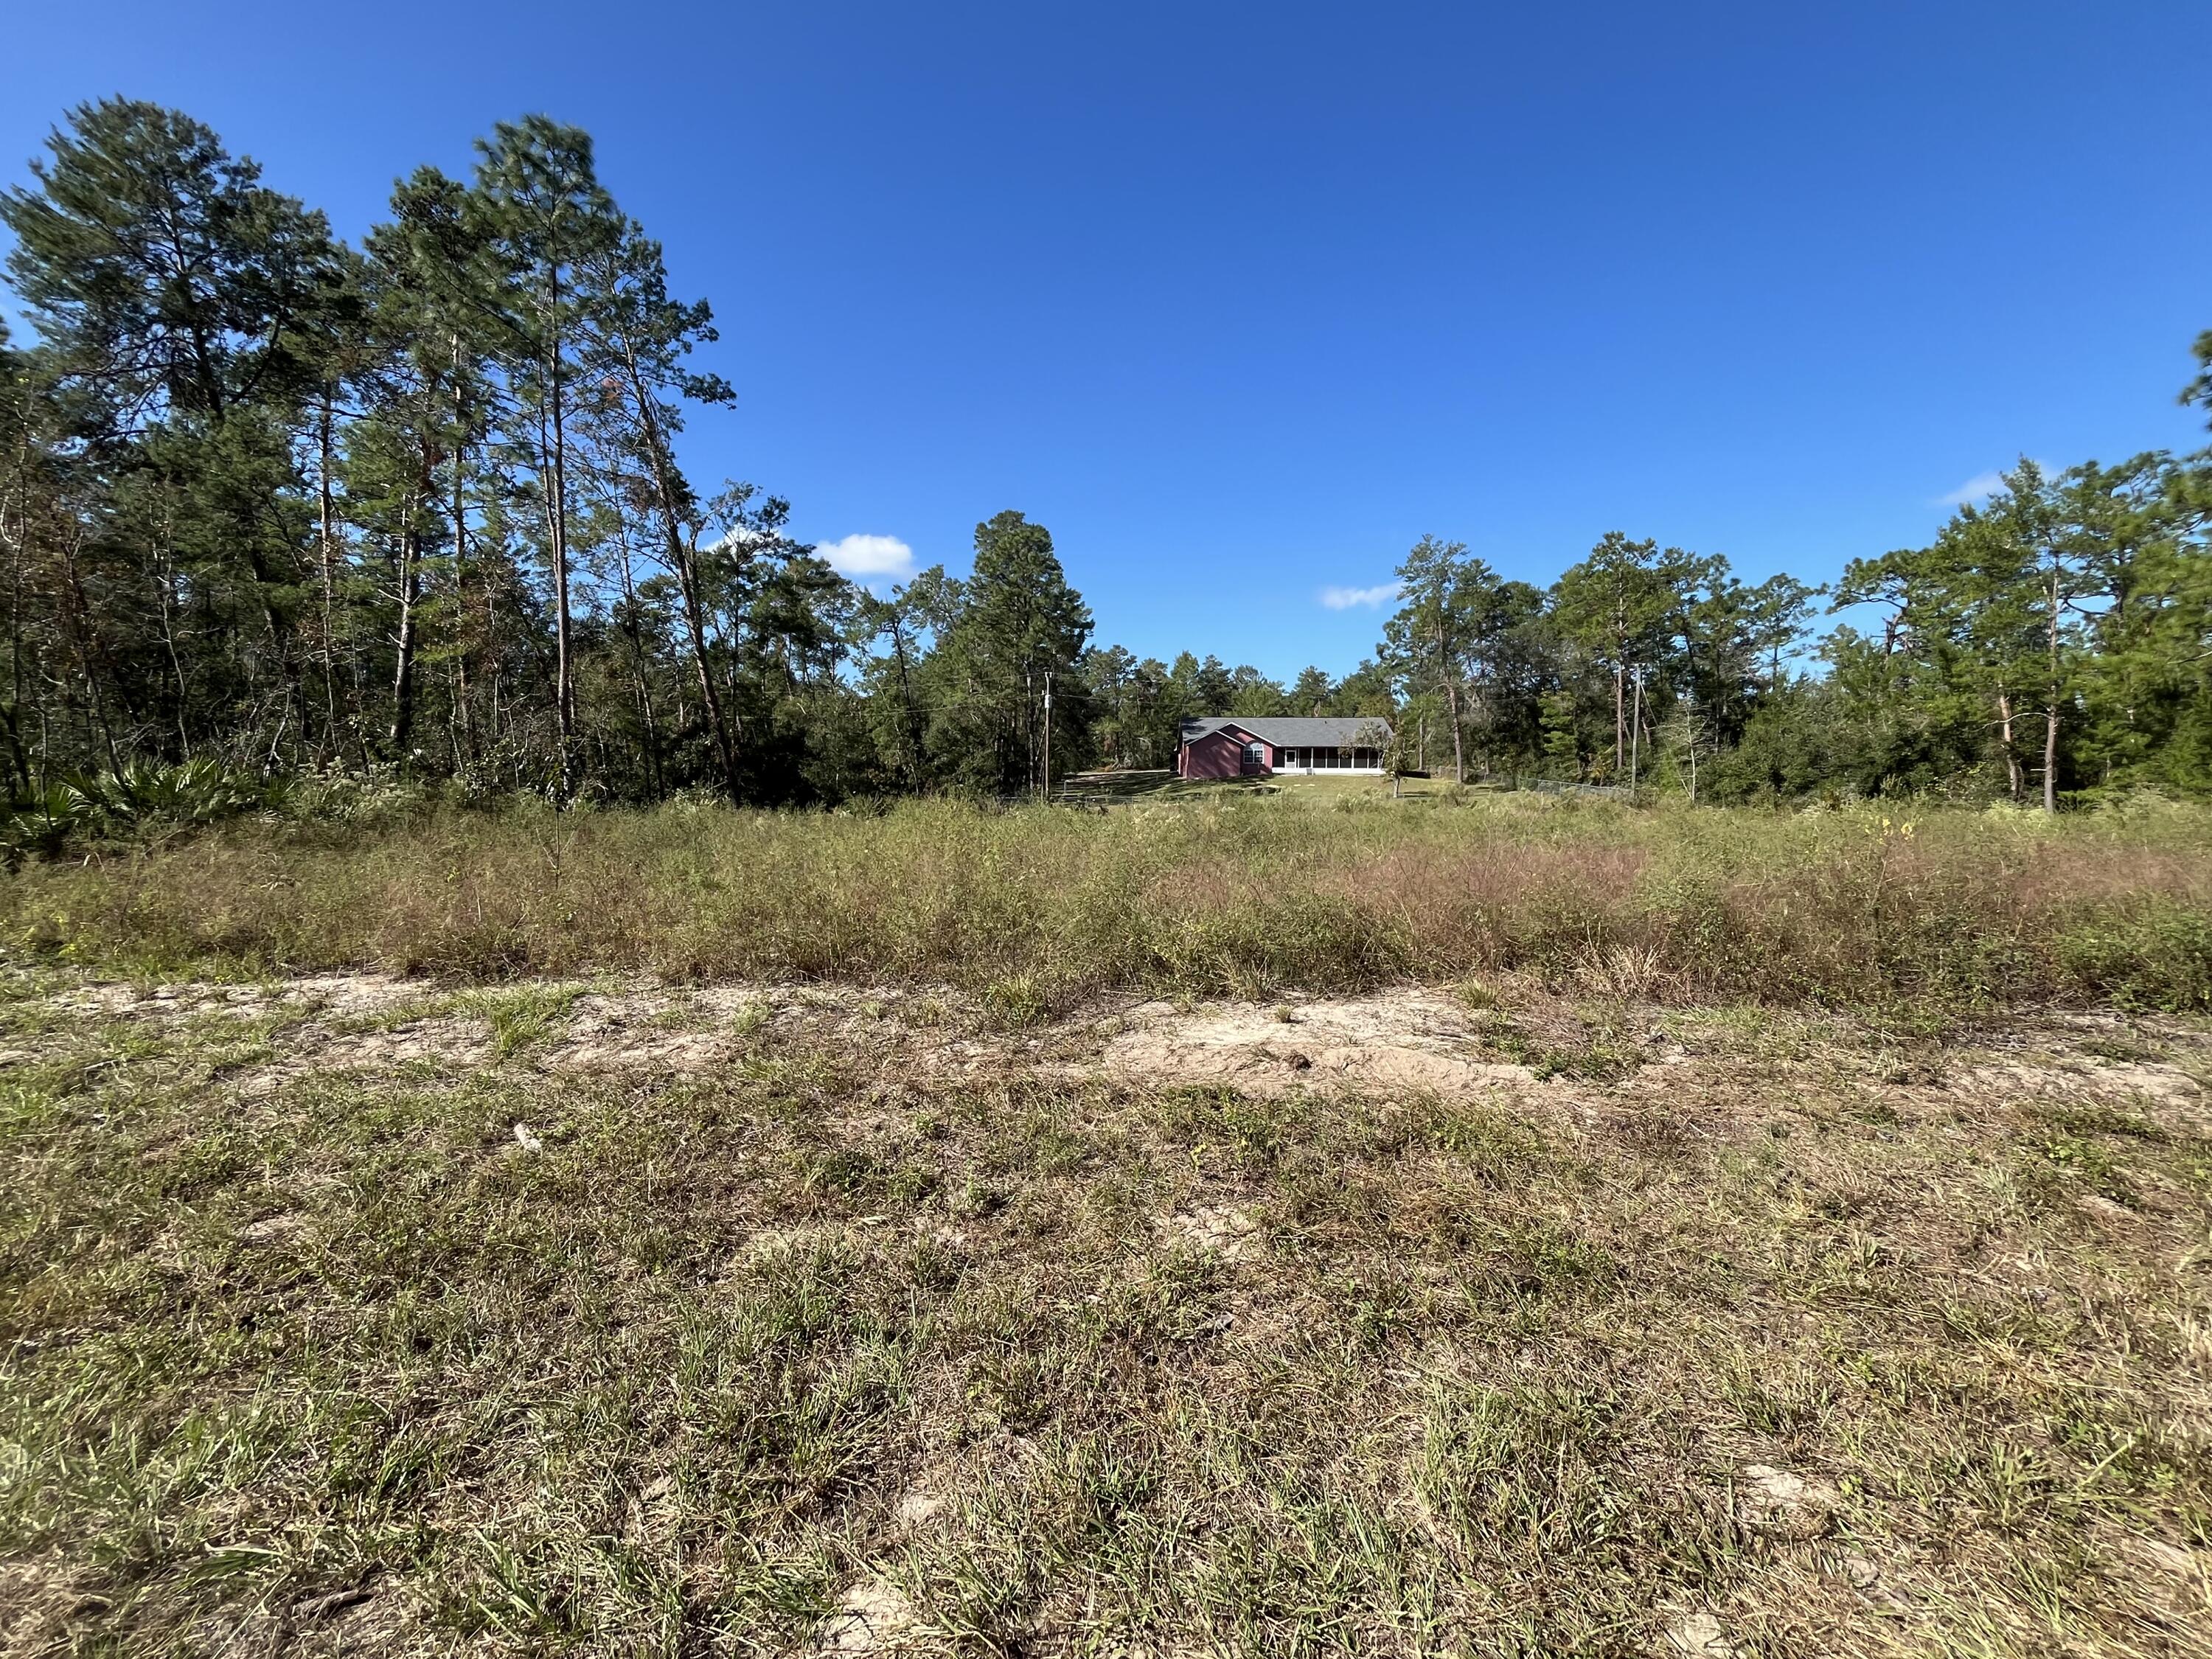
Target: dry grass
column 1046, row 908
column 872, row 1325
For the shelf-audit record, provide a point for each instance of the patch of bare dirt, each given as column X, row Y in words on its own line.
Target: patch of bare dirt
column 1409, row 1042
column 1783, row 1504
column 36, row 1598
column 1644, row 1087
column 344, row 995
column 279, row 1229
column 1697, row 1633
column 875, row 1617
column 1226, row 1231
column 313, row 1049
column 2068, row 1074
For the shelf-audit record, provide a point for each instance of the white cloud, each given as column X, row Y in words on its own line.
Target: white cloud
column 1344, row 599
column 1982, row 485
column 865, row 556
column 1979, row 488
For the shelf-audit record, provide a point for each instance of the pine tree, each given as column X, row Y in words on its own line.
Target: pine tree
column 1018, row 622
column 182, row 308
column 553, row 227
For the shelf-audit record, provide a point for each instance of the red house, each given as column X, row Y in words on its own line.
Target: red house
column 1228, row 746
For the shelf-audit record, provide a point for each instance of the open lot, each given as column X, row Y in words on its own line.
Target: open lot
column 1576, row 1305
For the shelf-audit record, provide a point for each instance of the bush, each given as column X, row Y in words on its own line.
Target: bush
column 2158, row 956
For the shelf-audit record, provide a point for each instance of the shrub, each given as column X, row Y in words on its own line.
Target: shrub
column 2156, row 955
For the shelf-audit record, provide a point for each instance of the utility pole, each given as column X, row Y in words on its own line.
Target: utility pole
column 1635, row 730
column 1048, row 734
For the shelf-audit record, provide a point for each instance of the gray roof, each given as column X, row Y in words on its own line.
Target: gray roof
column 1298, row 731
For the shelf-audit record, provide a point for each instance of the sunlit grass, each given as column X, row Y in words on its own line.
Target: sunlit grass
column 332, row 1357
column 1247, row 896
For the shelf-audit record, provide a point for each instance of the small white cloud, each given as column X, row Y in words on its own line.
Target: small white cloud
column 1345, row 598
column 1979, row 488
column 866, row 557
column 1982, row 485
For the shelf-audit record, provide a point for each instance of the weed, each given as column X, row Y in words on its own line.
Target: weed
column 522, row 1016
column 2090, row 1162
column 1016, row 1000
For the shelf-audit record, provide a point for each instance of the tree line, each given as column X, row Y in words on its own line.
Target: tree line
column 277, row 505
column 281, row 503
column 2053, row 639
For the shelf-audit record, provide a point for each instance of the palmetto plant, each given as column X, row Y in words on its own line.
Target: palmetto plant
column 143, row 796
column 139, row 799
column 40, row 824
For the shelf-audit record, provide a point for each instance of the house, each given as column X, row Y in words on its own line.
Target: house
column 1229, row 746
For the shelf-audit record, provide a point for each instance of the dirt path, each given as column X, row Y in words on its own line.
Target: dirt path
column 1602, row 1059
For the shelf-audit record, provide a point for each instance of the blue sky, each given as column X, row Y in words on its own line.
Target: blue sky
column 1241, row 300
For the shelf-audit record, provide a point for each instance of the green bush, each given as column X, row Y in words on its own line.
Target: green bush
column 2156, row 955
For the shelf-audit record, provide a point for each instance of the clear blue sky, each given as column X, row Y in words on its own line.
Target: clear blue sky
column 1241, row 301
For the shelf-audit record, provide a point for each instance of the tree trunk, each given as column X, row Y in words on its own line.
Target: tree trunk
column 557, row 530
column 166, row 582
column 326, row 545
column 1445, row 669
column 87, row 648
column 461, row 722
column 550, row 418
column 1459, row 753
column 1619, row 717
column 683, row 555
column 403, row 678
column 2004, row 741
column 2051, row 759
column 19, row 541
column 2050, row 704
column 908, row 707
column 641, row 671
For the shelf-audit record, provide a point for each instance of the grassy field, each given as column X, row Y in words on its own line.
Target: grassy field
column 1131, row 788
column 1039, row 909
column 722, row 1234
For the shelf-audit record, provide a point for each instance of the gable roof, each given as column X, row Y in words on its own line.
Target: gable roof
column 1297, row 730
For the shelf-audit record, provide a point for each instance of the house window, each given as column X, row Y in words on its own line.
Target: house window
column 1255, row 757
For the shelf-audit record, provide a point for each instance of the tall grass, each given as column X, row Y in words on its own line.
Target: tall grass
column 1043, row 906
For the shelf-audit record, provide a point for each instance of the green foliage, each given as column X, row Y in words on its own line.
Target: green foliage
column 148, row 803
column 42, row 825
column 1012, row 623
column 139, row 800
column 141, row 796
column 419, row 508
column 2156, row 955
